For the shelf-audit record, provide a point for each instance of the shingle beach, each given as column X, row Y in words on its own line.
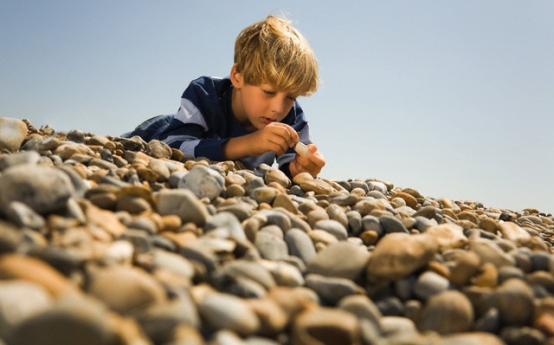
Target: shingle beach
column 111, row 241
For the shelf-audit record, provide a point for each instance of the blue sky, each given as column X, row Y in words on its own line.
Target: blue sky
column 452, row 98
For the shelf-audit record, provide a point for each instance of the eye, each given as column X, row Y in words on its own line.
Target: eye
column 292, row 98
column 269, row 92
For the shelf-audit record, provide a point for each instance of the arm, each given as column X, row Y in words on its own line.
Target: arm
column 276, row 137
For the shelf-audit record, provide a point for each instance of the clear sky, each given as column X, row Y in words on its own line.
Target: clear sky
column 452, row 98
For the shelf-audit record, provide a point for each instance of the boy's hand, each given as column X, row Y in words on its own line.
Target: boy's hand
column 312, row 163
column 277, row 137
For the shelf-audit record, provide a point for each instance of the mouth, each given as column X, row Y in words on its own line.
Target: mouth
column 267, row 120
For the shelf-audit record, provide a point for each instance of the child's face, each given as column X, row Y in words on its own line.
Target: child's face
column 256, row 106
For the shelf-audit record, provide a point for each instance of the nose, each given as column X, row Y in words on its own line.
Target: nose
column 278, row 105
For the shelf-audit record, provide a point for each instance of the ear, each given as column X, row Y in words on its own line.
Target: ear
column 236, row 77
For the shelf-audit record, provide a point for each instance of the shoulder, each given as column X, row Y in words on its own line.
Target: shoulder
column 211, row 85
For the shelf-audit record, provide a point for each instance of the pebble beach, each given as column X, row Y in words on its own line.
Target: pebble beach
column 106, row 240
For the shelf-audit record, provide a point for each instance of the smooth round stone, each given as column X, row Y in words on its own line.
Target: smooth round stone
column 270, row 245
column 20, row 299
column 397, row 255
column 10, row 237
column 362, row 307
column 241, row 210
column 15, row 266
column 508, row 272
column 224, row 311
column 392, row 224
column 448, row 236
column 24, row 216
column 446, row 312
column 43, row 189
column 333, row 227
column 276, row 175
column 354, row 222
column 332, row 289
column 183, row 203
column 285, row 274
column 522, row 335
column 273, row 318
column 398, row 328
column 285, row 202
column 337, row 213
column 372, row 223
column 489, row 251
column 264, row 194
column 463, row 266
column 203, row 182
column 513, row 232
column 430, row 283
column 514, row 301
column 330, row 261
column 325, row 326
column 540, row 261
column 160, row 168
column 280, row 219
column 227, row 221
column 471, row 338
column 299, row 244
column 488, row 322
column 316, row 214
column 12, row 133
column 132, row 204
column 309, row 184
column 73, row 320
column 126, row 289
column 158, row 149
column 174, row 263
column 23, row 157
column 422, row 223
column 246, row 270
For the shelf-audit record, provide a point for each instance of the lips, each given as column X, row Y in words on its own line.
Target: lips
column 267, row 121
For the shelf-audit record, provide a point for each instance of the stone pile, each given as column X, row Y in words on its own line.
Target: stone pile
column 109, row 241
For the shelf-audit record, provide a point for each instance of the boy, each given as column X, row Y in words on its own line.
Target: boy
column 252, row 115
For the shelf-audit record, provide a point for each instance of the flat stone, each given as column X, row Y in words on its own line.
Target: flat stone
column 447, row 312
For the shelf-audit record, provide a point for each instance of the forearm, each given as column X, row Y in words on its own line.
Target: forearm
column 238, row 147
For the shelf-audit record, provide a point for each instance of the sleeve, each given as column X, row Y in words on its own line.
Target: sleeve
column 191, row 130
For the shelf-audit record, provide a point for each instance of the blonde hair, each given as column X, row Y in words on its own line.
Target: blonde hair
column 273, row 52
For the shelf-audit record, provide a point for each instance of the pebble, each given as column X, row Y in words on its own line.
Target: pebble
column 225, row 311
column 446, row 312
column 108, row 240
column 203, row 182
column 125, row 289
column 12, row 133
column 299, row 244
column 325, row 326
column 330, row 261
column 399, row 254
column 43, row 189
column 333, row 227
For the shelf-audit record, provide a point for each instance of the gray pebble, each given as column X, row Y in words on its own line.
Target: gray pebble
column 333, row 227
column 300, row 245
column 203, row 182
